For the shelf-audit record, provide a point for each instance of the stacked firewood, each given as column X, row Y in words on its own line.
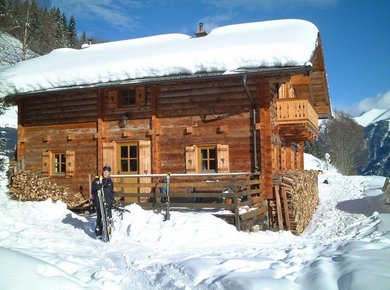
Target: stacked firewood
column 300, row 188
column 27, row 186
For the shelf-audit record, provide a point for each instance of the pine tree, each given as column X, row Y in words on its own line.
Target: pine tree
column 83, row 39
column 72, row 33
column 38, row 28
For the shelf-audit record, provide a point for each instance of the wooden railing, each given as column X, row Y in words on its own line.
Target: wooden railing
column 297, row 111
column 210, row 192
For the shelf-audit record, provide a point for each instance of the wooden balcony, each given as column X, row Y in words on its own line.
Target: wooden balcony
column 297, row 119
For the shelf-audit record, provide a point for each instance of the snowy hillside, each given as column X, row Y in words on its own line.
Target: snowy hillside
column 11, row 50
column 376, row 123
column 10, row 53
column 10, row 118
column 373, row 116
column 346, row 246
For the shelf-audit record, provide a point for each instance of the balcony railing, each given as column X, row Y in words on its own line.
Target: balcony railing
column 297, row 119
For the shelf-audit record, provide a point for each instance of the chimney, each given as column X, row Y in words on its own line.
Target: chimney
column 200, row 32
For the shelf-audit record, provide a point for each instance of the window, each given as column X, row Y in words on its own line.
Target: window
column 127, row 97
column 208, row 159
column 211, row 158
column 128, row 158
column 59, row 162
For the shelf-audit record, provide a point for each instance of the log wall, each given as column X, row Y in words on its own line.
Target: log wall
column 171, row 116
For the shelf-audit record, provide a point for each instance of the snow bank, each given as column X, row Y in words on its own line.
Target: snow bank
column 225, row 50
column 21, row 271
column 344, row 247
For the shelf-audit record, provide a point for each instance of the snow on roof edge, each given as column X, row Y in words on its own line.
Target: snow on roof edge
column 267, row 44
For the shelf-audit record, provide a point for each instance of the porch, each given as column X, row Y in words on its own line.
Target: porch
column 234, row 197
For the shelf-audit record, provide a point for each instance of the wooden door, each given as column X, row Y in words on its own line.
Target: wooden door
column 128, row 163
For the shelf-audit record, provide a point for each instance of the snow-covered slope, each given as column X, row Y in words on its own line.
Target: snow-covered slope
column 376, row 123
column 10, row 118
column 11, row 50
column 373, row 116
column 346, row 246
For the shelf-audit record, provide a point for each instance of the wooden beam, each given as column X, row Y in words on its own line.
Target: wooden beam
column 100, row 130
column 299, row 80
column 155, row 127
column 264, row 102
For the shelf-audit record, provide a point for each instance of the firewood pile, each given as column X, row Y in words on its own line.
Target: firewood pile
column 27, row 186
column 296, row 199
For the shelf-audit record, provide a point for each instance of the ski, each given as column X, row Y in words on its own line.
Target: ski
column 103, row 211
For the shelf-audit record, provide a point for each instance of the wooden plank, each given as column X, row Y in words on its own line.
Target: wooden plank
column 278, row 208
column 253, row 213
column 237, row 221
column 135, row 193
column 285, row 208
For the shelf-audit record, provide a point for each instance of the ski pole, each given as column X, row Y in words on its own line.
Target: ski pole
column 167, row 202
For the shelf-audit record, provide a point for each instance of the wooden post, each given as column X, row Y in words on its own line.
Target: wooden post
column 265, row 135
column 301, row 151
column 288, row 155
column 155, row 126
column 100, row 130
column 236, row 206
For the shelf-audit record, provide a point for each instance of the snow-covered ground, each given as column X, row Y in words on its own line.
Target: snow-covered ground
column 346, row 246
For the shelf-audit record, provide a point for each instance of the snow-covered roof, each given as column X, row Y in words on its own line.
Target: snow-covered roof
column 225, row 50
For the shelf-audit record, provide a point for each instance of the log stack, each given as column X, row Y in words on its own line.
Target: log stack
column 28, row 186
column 295, row 200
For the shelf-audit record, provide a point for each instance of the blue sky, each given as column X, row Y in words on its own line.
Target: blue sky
column 355, row 33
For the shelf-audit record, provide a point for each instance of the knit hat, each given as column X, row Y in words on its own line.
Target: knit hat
column 107, row 168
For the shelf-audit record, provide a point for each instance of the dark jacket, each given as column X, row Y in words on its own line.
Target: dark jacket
column 108, row 187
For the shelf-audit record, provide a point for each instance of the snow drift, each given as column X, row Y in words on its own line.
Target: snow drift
column 346, row 246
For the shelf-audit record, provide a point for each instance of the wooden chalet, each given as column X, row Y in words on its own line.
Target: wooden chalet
column 253, row 118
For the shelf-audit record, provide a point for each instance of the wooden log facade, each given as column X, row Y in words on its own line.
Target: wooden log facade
column 254, row 120
column 167, row 124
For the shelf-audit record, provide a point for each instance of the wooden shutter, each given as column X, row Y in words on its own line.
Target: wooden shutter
column 145, row 164
column 223, row 158
column 112, row 101
column 46, row 163
column 70, row 162
column 140, row 96
column 109, row 149
column 191, row 160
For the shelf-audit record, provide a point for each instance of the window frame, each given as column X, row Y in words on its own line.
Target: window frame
column 124, row 94
column 207, row 159
column 62, row 164
column 129, row 158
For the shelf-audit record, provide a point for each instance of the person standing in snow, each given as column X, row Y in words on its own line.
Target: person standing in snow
column 103, row 182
